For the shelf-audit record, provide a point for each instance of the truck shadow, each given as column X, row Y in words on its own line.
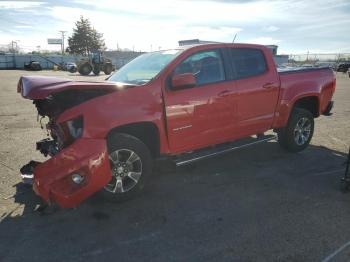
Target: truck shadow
column 181, row 203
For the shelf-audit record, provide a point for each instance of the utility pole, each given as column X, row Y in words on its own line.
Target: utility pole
column 62, row 44
column 12, row 47
column 14, row 52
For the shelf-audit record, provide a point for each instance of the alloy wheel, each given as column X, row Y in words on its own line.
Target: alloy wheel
column 302, row 131
column 126, row 171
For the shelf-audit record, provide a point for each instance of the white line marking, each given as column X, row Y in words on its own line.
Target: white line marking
column 331, row 256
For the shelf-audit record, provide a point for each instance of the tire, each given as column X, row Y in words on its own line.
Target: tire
column 85, row 69
column 119, row 149
column 296, row 136
column 96, row 70
column 108, row 68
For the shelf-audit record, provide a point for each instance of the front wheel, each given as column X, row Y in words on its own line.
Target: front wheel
column 296, row 136
column 131, row 164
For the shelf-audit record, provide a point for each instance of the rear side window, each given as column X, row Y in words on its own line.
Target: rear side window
column 206, row 66
column 248, row 62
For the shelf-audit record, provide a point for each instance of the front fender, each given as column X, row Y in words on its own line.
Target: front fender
column 89, row 158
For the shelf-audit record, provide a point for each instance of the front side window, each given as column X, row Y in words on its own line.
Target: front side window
column 248, row 62
column 207, row 67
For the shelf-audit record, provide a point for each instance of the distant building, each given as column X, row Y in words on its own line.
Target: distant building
column 195, row 42
column 273, row 48
column 120, row 58
column 279, row 59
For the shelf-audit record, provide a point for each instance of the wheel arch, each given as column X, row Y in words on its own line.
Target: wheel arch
column 147, row 132
column 310, row 103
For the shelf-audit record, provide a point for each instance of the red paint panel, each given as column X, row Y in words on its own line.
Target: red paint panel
column 88, row 157
column 39, row 87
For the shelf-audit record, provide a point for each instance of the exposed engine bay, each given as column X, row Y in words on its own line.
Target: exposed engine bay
column 53, row 105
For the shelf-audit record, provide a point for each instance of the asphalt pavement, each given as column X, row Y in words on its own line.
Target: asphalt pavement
column 257, row 204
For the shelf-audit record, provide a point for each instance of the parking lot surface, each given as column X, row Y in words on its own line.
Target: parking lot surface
column 257, row 204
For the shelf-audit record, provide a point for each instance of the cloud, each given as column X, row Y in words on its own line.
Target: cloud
column 264, row 40
column 19, row 4
column 24, row 26
column 271, row 28
column 293, row 24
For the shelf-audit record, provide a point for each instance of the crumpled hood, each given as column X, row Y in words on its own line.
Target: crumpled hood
column 39, row 87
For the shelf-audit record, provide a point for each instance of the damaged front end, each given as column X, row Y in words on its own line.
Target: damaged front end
column 78, row 166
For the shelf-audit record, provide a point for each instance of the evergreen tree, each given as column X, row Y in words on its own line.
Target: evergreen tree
column 85, row 38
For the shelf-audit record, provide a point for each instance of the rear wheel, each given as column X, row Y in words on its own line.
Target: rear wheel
column 296, row 136
column 85, row 69
column 131, row 164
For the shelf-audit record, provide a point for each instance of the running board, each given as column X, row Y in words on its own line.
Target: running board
column 189, row 158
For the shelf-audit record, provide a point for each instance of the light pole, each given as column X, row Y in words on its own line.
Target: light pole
column 62, row 44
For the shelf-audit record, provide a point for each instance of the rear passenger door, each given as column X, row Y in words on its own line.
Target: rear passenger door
column 257, row 87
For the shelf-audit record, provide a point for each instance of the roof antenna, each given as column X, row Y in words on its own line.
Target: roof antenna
column 234, row 38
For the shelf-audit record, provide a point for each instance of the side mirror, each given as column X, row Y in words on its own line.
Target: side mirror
column 186, row 80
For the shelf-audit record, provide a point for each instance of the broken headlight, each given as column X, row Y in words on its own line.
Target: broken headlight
column 72, row 130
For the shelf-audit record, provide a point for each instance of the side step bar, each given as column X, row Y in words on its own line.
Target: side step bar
column 189, row 158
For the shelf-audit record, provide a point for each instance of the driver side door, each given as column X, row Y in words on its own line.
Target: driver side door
column 202, row 115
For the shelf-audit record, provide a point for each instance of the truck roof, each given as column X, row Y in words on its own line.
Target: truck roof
column 220, row 45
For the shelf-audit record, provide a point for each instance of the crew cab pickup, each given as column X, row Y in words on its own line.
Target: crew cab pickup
column 184, row 104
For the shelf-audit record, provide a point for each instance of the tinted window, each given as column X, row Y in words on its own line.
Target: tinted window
column 248, row 62
column 207, row 67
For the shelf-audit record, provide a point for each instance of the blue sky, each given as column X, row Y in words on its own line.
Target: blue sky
column 321, row 26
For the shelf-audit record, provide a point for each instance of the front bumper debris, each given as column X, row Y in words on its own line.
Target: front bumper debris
column 47, row 147
column 52, row 179
column 27, row 172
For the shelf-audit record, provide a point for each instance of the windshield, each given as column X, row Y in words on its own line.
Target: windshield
column 144, row 68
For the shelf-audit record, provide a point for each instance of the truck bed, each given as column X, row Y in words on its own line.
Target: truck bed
column 287, row 70
column 313, row 81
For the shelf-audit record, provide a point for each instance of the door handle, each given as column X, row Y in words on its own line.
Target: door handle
column 224, row 93
column 268, row 85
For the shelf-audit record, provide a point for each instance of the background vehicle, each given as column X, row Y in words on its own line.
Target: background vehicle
column 185, row 105
column 343, row 67
column 95, row 63
column 33, row 66
column 69, row 66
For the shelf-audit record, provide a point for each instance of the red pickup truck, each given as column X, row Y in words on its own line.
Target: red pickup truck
column 184, row 104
